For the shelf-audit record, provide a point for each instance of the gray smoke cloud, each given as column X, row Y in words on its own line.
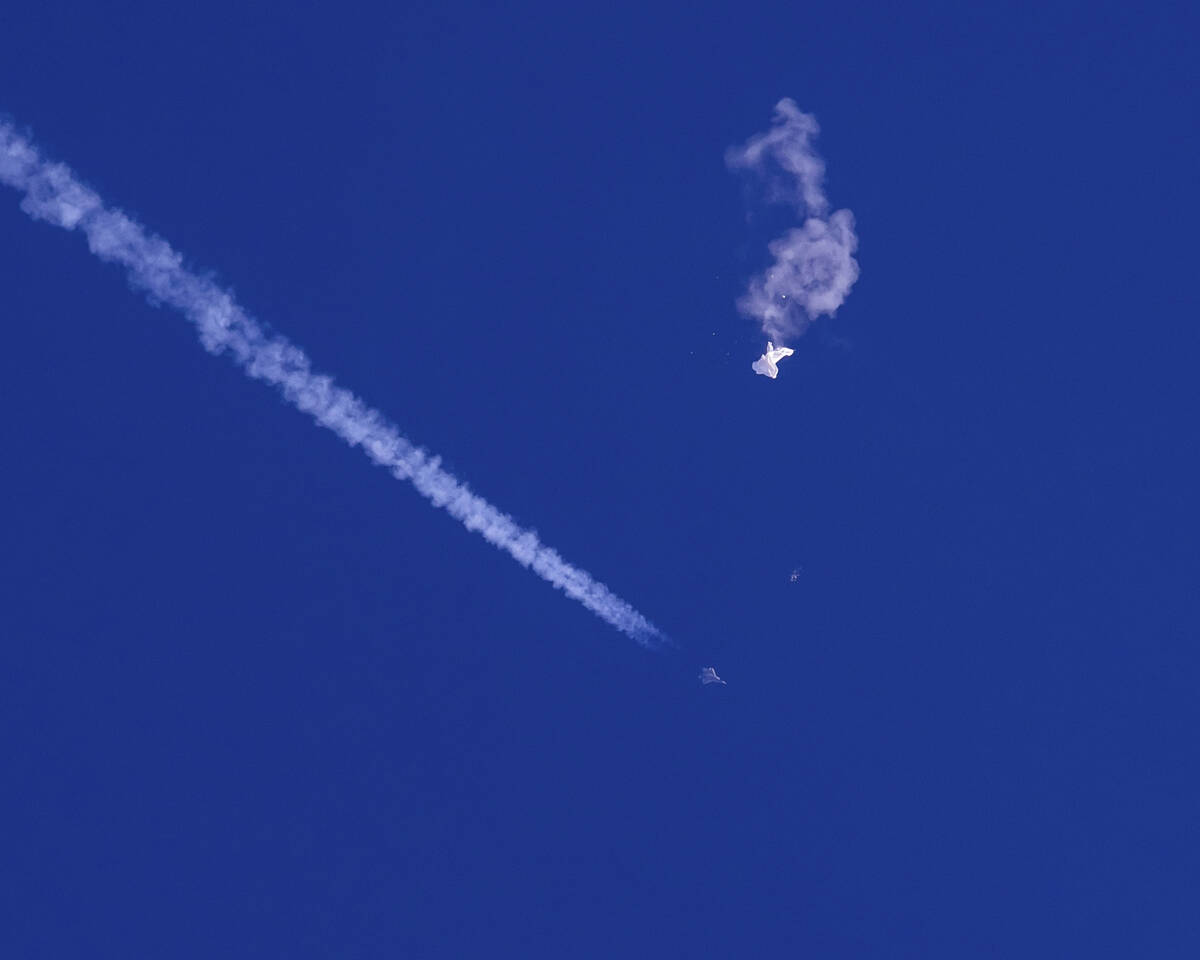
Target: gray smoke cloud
column 53, row 193
column 814, row 266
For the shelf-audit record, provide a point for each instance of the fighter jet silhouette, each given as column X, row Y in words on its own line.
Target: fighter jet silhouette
column 709, row 675
column 766, row 364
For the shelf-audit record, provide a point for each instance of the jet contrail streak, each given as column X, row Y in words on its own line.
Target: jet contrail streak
column 52, row 193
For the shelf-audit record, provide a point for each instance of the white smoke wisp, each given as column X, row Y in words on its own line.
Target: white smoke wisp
column 814, row 266
column 53, row 193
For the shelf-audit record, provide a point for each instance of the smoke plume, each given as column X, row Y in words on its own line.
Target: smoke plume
column 814, row 266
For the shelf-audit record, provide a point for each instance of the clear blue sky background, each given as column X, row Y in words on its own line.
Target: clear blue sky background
column 258, row 699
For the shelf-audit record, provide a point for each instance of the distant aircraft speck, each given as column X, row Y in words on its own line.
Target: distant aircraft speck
column 709, row 675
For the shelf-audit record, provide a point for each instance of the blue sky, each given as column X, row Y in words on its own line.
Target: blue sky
column 259, row 698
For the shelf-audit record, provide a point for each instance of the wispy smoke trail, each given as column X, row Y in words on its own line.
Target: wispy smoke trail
column 52, row 193
column 814, row 266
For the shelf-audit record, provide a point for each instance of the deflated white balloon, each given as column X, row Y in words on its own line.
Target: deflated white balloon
column 767, row 363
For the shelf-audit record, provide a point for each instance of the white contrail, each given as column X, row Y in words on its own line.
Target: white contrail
column 53, row 193
column 814, row 266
